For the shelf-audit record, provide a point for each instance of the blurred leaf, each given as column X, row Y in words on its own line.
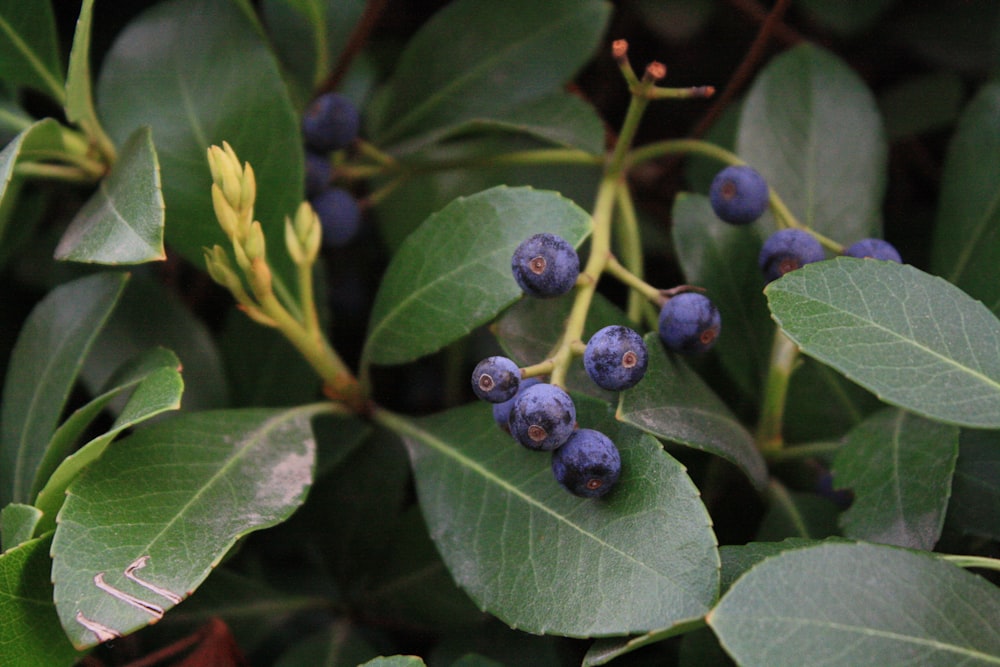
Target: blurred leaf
column 975, row 495
column 529, row 330
column 823, row 404
column 30, row 635
column 966, row 248
column 921, row 104
column 899, row 467
column 509, row 533
column 738, row 558
column 858, row 605
column 811, row 127
column 722, row 258
column 958, row 36
column 167, row 503
column 792, row 514
column 673, row 403
column 395, row 661
column 478, row 58
column 29, row 47
column 674, row 20
column 17, row 524
column 122, row 223
column 43, row 367
column 845, row 17
column 423, row 194
column 453, row 273
column 337, row 645
column 198, row 73
column 915, row 340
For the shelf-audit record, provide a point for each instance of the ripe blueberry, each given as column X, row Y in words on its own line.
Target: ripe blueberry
column 545, row 265
column 588, row 464
column 339, row 215
column 543, row 417
column 875, row 249
column 496, row 379
column 787, row 250
column 330, row 122
column 739, row 194
column 615, row 358
column 689, row 323
column 501, row 411
column 317, row 174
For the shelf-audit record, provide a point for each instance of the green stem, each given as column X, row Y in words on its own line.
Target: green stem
column 630, row 245
column 638, row 286
column 778, row 495
column 971, row 561
column 805, row 451
column 541, row 157
column 55, row 172
column 784, row 354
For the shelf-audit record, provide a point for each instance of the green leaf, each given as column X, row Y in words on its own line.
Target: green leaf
column 79, row 84
column 395, row 661
column 198, row 73
column 35, row 140
column 738, row 558
column 29, row 47
column 30, row 635
column 17, row 524
column 793, row 514
column 916, row 341
column 922, row 103
column 812, row 128
column 43, row 367
column 478, row 58
column 453, row 273
column 158, row 386
column 846, row 17
column 166, row 504
column 673, row 403
column 858, row 605
column 604, row 651
column 899, row 467
column 975, row 496
column 722, row 258
column 966, row 248
column 122, row 223
column 545, row 561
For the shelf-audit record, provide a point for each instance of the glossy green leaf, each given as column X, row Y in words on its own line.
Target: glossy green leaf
column 966, row 248
column 857, row 605
column 157, row 388
column 198, row 73
column 43, row 367
column 164, row 506
column 899, row 467
column 547, row 562
column 477, row 58
column 17, row 524
column 29, row 47
column 30, row 635
column 122, row 223
column 916, row 341
column 453, row 273
column 812, row 128
column 673, row 403
column 722, row 258
column 975, row 495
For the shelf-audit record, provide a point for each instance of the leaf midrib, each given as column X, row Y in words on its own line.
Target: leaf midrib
column 35, row 63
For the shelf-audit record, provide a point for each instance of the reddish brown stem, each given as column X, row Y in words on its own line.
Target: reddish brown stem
column 357, row 40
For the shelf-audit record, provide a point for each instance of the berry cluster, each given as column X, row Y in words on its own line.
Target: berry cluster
column 739, row 195
column 329, row 124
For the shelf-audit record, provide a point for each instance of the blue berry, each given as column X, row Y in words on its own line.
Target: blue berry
column 739, row 195
column 615, row 358
column 501, row 411
column 330, row 122
column 495, row 379
column 588, row 465
column 787, row 250
column 543, row 417
column 545, row 265
column 689, row 323
column 874, row 249
column 339, row 215
column 317, row 174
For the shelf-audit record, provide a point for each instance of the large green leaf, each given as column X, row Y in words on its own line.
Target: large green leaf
column 30, row 635
column 672, row 402
column 453, row 273
column 478, row 58
column 899, row 467
column 164, row 506
column 913, row 339
column 812, row 128
column 547, row 562
column 29, row 47
column 43, row 367
column 198, row 73
column 966, row 249
column 857, row 605
column 975, row 498
column 122, row 223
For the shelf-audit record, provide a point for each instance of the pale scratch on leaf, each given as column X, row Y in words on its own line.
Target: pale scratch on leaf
column 101, row 631
column 140, row 563
column 148, row 607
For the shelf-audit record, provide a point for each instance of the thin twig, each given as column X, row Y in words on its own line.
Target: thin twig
column 357, row 40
